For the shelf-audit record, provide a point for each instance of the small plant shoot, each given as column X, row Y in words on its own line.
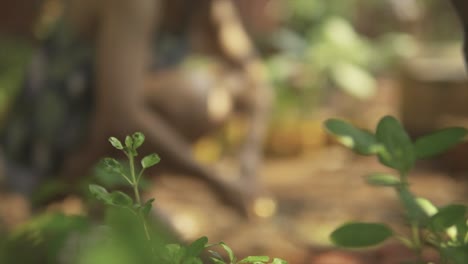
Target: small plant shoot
column 444, row 229
column 169, row 253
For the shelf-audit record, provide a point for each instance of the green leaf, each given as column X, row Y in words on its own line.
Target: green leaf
column 129, row 142
column 456, row 254
column 121, row 199
column 150, row 160
column 115, row 143
column 197, row 247
column 138, row 139
column 383, row 179
column 448, row 216
column 279, row 261
column 439, row 141
column 354, row 79
column 175, row 253
column 427, row 206
column 361, row 141
column 146, row 208
column 398, row 151
column 359, row 235
column 112, row 165
column 100, row 193
column 232, row 258
column 255, row 259
column 462, row 231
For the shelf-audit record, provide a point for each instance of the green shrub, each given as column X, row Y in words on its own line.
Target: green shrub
column 444, row 228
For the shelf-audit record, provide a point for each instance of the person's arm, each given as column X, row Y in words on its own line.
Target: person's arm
column 237, row 46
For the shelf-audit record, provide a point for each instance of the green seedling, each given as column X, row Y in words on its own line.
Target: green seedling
column 133, row 177
column 444, row 229
column 163, row 253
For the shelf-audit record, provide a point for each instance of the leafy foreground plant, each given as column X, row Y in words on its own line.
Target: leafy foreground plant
column 127, row 235
column 157, row 251
column 444, row 229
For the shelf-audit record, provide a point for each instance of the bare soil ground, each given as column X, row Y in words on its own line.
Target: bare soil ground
column 315, row 193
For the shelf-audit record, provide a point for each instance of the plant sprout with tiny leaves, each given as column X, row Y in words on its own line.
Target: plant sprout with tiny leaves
column 118, row 198
column 168, row 253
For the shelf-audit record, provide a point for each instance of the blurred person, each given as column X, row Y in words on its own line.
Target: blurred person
column 110, row 68
column 461, row 7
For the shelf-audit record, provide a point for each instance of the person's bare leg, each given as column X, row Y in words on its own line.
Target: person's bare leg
column 122, row 40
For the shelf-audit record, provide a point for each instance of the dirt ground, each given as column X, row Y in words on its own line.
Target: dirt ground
column 314, row 194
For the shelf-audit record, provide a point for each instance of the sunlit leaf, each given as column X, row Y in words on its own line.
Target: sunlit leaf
column 232, row 258
column 354, row 80
column 175, row 253
column 361, row 141
column 255, row 259
column 116, row 143
column 427, row 206
column 279, row 261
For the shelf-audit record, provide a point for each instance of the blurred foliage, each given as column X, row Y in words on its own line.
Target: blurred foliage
column 321, row 47
column 445, row 228
column 322, row 44
column 128, row 231
column 14, row 56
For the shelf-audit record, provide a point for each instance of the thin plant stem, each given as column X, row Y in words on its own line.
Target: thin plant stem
column 416, row 239
column 131, row 159
column 126, row 178
column 404, row 178
column 405, row 241
column 139, row 176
